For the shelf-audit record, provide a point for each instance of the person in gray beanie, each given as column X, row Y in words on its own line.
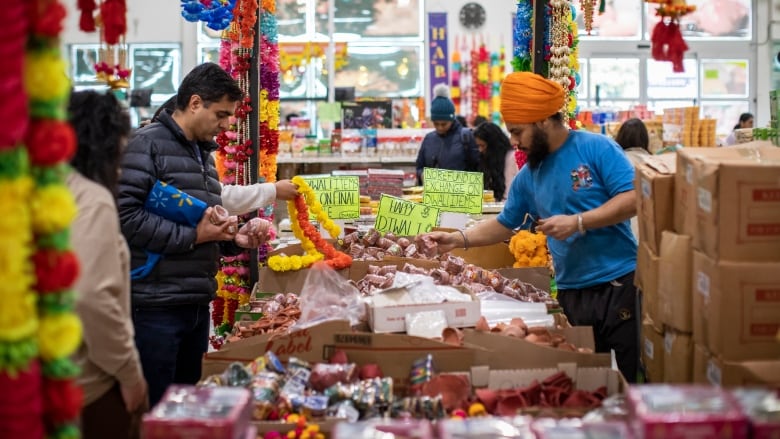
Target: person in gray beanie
column 451, row 145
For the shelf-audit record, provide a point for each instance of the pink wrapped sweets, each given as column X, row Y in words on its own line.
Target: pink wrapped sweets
column 189, row 412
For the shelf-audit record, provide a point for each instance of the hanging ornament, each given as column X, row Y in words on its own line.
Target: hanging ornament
column 668, row 43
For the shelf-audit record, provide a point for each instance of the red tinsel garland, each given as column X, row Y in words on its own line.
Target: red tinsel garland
column 87, row 18
column 114, row 16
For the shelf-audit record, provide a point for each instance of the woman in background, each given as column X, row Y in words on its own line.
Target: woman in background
column 115, row 392
column 745, row 121
column 633, row 138
column 497, row 159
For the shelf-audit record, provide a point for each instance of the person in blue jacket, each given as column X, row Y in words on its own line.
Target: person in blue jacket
column 450, row 145
column 577, row 187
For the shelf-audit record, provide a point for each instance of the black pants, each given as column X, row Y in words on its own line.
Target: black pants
column 612, row 309
column 171, row 342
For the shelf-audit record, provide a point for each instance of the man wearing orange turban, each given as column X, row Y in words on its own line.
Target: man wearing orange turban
column 578, row 187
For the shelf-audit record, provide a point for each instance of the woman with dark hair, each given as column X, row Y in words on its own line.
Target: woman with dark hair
column 497, row 159
column 745, row 121
column 633, row 138
column 115, row 391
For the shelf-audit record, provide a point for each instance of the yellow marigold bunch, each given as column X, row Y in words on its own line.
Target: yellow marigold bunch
column 530, row 249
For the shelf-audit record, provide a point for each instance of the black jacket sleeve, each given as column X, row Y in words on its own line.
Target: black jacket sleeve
column 141, row 228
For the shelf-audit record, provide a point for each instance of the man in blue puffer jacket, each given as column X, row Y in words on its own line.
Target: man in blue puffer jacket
column 450, row 145
column 170, row 306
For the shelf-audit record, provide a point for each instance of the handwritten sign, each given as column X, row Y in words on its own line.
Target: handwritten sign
column 453, row 191
column 339, row 195
column 404, row 218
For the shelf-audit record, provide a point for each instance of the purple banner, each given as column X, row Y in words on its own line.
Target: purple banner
column 437, row 37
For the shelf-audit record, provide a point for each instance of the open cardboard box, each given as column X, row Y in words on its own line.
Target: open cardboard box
column 395, row 354
column 326, row 426
column 584, row 378
column 308, row 345
column 393, row 318
column 504, row 352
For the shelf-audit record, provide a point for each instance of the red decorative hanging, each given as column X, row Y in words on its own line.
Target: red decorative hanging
column 668, row 42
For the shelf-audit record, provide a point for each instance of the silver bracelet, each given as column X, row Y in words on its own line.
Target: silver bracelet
column 465, row 240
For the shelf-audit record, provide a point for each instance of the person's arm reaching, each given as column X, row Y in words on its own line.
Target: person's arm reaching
column 486, row 232
column 239, row 200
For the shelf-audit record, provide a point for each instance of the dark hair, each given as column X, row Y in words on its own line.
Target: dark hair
column 290, row 117
column 479, row 120
column 211, row 83
column 170, row 104
column 101, row 125
column 632, row 134
column 492, row 162
column 744, row 117
column 461, row 120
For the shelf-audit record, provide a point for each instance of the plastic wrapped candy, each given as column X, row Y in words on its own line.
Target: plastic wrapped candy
column 419, row 407
column 324, row 375
column 297, row 378
column 386, row 429
column 368, row 396
column 499, row 428
column 265, row 389
column 422, row 371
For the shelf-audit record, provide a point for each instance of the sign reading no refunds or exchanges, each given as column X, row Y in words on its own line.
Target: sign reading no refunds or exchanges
column 404, row 218
column 339, row 195
column 453, row 191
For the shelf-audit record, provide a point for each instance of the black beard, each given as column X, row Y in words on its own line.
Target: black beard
column 540, row 148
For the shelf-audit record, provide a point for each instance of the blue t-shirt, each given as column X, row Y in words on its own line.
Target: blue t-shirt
column 583, row 174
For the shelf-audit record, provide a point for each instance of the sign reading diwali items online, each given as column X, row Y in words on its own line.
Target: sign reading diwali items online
column 339, row 195
column 453, row 191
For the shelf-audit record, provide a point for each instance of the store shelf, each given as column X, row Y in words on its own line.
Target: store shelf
column 345, row 160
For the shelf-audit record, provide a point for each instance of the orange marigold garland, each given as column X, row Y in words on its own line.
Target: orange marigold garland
column 314, row 245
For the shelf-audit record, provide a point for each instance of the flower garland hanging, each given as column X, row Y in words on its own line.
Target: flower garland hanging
column 667, row 40
column 111, row 66
column 483, row 81
column 560, row 42
column 269, row 113
column 574, row 69
column 455, row 91
column 315, row 247
column 40, row 397
column 217, row 14
column 474, row 71
column 522, row 36
column 233, row 154
column 496, row 76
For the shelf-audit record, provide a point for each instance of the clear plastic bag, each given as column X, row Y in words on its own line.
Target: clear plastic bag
column 328, row 296
column 499, row 308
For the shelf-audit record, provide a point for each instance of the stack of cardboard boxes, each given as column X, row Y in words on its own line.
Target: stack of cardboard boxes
column 709, row 265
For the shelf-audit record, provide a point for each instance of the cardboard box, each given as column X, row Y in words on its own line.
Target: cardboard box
column 585, row 378
column 744, row 177
column 737, row 308
column 395, row 354
column 492, row 257
column 654, row 183
column 685, row 181
column 308, row 345
column 505, row 352
column 711, row 369
column 326, row 426
column 678, row 357
column 738, row 204
column 674, row 281
column 646, row 279
column 393, row 318
column 652, row 347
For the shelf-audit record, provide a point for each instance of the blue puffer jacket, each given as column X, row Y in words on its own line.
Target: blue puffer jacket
column 457, row 151
column 185, row 274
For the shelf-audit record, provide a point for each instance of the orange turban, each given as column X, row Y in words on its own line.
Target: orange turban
column 528, row 98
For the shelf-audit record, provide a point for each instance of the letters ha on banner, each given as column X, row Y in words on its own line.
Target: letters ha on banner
column 405, row 218
column 453, row 191
column 339, row 195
